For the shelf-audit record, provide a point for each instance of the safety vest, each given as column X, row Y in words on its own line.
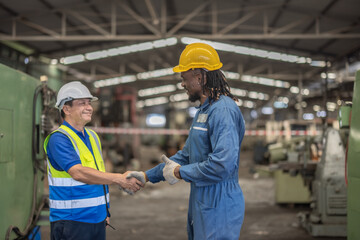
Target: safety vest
column 75, row 200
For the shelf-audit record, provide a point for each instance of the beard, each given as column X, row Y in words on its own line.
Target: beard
column 194, row 97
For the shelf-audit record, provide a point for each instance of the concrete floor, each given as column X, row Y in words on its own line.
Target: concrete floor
column 159, row 211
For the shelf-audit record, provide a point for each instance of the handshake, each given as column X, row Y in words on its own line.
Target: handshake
column 168, row 172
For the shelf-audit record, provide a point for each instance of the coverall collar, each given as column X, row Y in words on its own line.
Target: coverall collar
column 204, row 105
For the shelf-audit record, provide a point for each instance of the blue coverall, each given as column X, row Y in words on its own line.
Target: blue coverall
column 210, row 162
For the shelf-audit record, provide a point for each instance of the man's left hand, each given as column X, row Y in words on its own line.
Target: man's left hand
column 169, row 170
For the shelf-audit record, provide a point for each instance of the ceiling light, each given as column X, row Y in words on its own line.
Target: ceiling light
column 114, row 81
column 308, row 116
column 305, row 91
column 249, row 51
column 156, row 90
column 267, row 110
column 73, row 59
column 178, row 97
column 155, row 73
column 316, row 108
column 294, row 90
column 139, row 47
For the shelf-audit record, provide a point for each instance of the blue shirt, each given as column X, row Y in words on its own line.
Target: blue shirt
column 61, row 152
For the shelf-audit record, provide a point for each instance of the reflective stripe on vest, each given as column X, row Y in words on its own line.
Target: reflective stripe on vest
column 79, row 203
column 62, row 182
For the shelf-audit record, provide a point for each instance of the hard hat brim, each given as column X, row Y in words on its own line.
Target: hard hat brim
column 177, row 69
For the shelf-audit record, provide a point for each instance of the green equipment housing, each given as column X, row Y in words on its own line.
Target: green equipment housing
column 22, row 166
column 353, row 165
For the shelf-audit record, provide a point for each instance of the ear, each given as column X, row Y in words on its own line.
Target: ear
column 66, row 109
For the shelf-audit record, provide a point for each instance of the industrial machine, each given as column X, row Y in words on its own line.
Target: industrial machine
column 353, row 166
column 328, row 216
column 24, row 106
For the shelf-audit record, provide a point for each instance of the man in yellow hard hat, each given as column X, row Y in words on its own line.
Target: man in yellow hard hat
column 209, row 160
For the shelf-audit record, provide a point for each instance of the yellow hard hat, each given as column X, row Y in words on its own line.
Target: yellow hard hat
column 198, row 55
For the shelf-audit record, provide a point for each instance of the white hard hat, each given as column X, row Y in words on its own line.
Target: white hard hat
column 71, row 91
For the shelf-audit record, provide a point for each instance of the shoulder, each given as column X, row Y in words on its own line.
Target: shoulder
column 224, row 103
column 58, row 137
column 92, row 132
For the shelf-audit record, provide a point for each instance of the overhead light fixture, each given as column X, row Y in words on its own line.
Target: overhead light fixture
column 258, row 80
column 181, row 105
column 294, row 90
column 114, row 81
column 156, row 90
column 251, row 51
column 155, row 73
column 249, row 104
column 267, row 110
column 139, row 47
column 330, row 75
column 331, row 106
column 72, row 59
column 155, row 120
column 321, row 114
column 316, row 108
column 305, row 91
column 252, row 94
column 308, row 116
column 132, row 78
column 265, row 81
column 54, row 61
column 152, row 102
column 178, row 97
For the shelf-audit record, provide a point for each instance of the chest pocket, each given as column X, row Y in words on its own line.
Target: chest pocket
column 201, row 139
column 88, row 160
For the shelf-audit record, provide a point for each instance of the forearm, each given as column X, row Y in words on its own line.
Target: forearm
column 155, row 174
column 93, row 176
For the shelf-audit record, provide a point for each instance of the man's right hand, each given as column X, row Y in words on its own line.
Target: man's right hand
column 141, row 176
column 132, row 184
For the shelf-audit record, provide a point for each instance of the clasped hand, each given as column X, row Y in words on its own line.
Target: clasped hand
column 133, row 177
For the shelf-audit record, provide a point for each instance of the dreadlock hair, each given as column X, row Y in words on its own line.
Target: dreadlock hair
column 216, row 84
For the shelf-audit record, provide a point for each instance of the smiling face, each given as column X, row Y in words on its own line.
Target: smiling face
column 79, row 114
column 191, row 81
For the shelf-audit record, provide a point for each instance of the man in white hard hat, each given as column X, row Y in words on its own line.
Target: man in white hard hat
column 78, row 191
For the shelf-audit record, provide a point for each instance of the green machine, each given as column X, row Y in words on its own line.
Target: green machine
column 24, row 101
column 353, row 166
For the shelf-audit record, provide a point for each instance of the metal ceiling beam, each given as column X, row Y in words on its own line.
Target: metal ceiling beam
column 257, row 70
column 188, row 18
column 104, row 69
column 136, row 67
column 279, row 14
column 38, row 28
column 236, row 23
column 113, row 18
column 203, row 36
column 290, row 25
column 214, row 17
column 163, row 17
column 316, row 19
column 140, row 19
column 88, row 22
column 154, row 17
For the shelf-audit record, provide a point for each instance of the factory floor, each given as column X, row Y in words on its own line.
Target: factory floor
column 159, row 211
